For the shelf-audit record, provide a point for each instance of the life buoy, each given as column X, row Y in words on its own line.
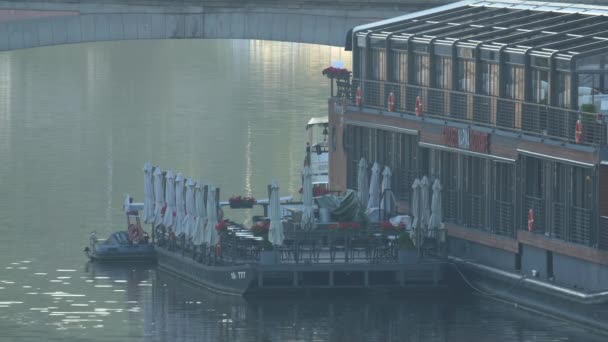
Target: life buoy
column 530, row 220
column 391, row 101
column 418, row 106
column 578, row 132
column 358, row 97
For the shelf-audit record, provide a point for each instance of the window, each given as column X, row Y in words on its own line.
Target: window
column 361, row 56
column 592, row 91
column 466, row 75
column 564, row 95
column 378, row 64
column 443, row 72
column 489, row 78
column 514, row 82
column 399, row 60
column 540, row 85
column 421, row 70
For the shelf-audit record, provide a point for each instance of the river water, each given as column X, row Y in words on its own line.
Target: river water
column 76, row 125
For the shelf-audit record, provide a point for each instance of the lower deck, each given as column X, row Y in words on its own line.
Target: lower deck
column 274, row 270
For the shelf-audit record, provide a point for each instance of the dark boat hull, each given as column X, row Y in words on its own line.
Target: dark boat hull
column 529, row 295
column 234, row 280
column 122, row 253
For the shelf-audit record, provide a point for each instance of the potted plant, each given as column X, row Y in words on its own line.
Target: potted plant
column 237, row 202
column 260, row 228
column 407, row 253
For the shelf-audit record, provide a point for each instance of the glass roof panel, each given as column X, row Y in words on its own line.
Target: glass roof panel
column 545, row 27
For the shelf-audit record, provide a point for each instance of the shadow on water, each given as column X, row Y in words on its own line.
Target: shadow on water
column 182, row 311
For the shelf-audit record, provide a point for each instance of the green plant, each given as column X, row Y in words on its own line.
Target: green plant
column 405, row 242
column 588, row 108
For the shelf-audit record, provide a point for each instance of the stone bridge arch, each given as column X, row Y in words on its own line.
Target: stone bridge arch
column 27, row 25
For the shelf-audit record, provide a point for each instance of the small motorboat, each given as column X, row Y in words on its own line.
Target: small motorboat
column 130, row 245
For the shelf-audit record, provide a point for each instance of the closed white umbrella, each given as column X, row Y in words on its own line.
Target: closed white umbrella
column 180, row 205
column 415, row 205
column 148, row 194
column 425, row 202
column 211, row 235
column 374, row 188
column 198, row 236
column 363, row 183
column 437, row 215
column 189, row 223
column 388, row 199
column 168, row 219
column 275, row 232
column 308, row 220
column 159, row 195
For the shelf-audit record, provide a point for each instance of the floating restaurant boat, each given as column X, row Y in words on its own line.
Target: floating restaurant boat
column 291, row 247
column 504, row 103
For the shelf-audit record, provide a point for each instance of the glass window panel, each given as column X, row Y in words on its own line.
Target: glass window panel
column 361, row 41
column 466, row 75
column 443, row 72
column 489, row 55
column 362, row 53
column 563, row 89
column 515, row 58
column 378, row 65
column 421, row 70
column 420, row 47
column 540, row 85
column 561, row 64
column 489, row 78
column 514, row 82
column 399, row 61
column 443, row 50
column 377, row 42
column 540, row 62
column 465, row 52
column 399, row 44
column 592, row 63
column 592, row 90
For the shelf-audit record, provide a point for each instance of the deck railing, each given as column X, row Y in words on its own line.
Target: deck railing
column 503, row 218
column 581, row 227
column 538, row 208
column 371, row 244
column 488, row 111
column 603, row 233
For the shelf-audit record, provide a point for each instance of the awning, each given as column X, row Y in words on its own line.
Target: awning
column 323, row 120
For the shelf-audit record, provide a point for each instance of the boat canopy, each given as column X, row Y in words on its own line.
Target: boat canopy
column 118, row 238
column 323, row 120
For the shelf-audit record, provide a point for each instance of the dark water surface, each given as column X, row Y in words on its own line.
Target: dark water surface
column 76, row 125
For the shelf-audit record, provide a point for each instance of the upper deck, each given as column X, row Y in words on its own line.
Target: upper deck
column 526, row 67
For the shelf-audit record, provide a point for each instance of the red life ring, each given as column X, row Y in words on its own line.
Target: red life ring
column 530, row 220
column 418, row 106
column 578, row 132
column 391, row 102
column 358, row 97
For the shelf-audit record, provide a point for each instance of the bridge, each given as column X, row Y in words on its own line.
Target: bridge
column 26, row 24
column 34, row 23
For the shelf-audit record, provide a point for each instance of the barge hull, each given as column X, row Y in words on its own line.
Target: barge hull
column 233, row 280
column 530, row 294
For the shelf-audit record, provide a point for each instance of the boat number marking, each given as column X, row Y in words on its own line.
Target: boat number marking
column 238, row 275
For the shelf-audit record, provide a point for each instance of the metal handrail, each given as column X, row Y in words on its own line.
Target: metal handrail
column 486, row 111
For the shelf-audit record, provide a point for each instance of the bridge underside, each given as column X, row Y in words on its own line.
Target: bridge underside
column 27, row 28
